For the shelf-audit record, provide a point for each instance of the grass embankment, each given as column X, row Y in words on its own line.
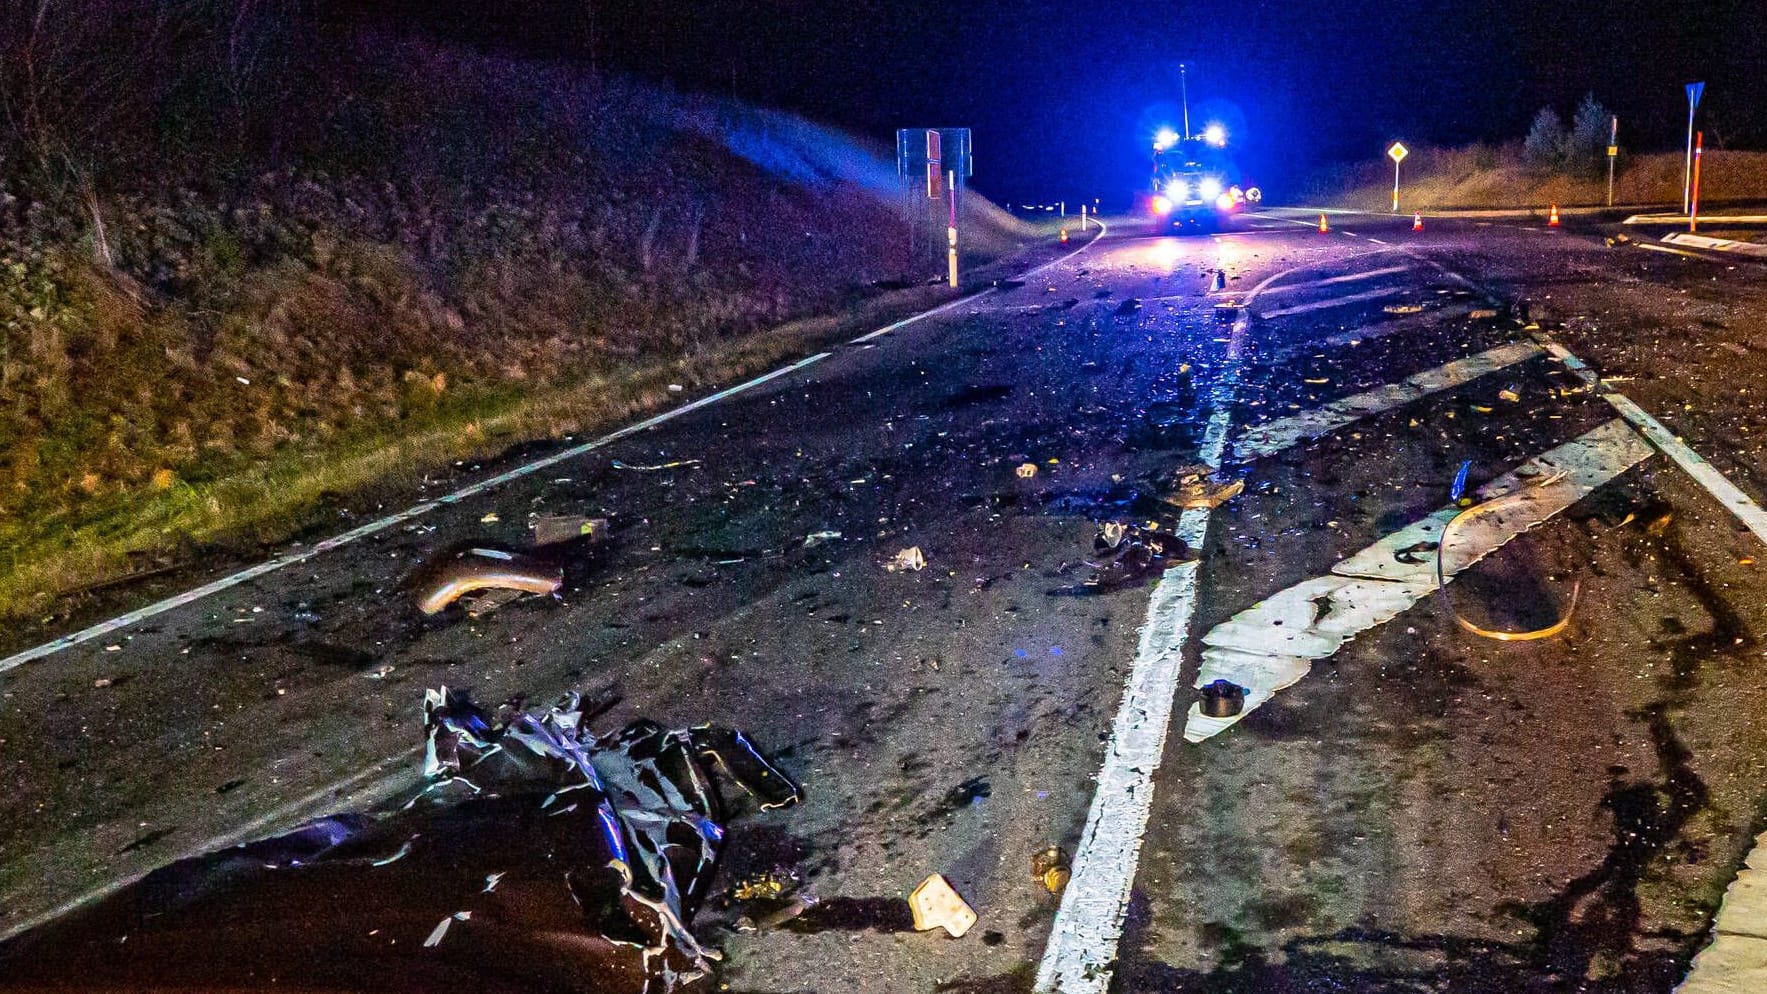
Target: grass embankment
column 488, row 252
column 1496, row 177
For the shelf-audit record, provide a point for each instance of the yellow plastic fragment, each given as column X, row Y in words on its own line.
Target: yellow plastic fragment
column 936, row 905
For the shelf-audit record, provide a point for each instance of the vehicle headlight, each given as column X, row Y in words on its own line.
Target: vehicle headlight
column 1176, row 191
column 1209, row 188
column 1161, row 205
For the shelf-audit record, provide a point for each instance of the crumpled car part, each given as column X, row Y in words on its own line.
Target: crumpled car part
column 537, row 856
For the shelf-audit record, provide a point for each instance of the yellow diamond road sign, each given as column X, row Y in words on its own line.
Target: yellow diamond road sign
column 1398, row 151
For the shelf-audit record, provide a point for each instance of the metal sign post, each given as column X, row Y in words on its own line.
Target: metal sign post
column 1613, row 152
column 1397, row 153
column 933, row 164
column 951, row 230
column 1694, row 91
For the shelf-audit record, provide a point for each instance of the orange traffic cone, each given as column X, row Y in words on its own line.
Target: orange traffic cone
column 1417, row 222
column 1064, row 236
column 1552, row 220
column 1323, row 227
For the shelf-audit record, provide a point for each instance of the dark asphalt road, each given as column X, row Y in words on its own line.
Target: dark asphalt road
column 1427, row 810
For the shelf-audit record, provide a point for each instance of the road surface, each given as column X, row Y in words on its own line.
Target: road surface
column 1424, row 809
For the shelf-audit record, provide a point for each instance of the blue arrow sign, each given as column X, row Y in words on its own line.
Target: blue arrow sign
column 1694, row 90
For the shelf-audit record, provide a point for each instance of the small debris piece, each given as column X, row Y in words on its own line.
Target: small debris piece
column 676, row 388
column 1110, row 535
column 1223, row 699
column 910, row 560
column 1509, row 394
column 1053, row 868
column 1027, row 470
column 659, row 466
column 490, row 518
column 814, row 539
column 481, row 569
column 1482, row 314
column 1128, row 306
column 773, row 885
column 1403, row 308
column 102, row 682
column 1195, row 486
column 936, row 905
column 550, row 529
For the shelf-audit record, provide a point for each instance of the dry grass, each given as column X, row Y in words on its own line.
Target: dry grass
column 277, row 497
column 1486, row 177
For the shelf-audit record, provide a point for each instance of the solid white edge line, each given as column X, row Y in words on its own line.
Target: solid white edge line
column 1088, row 928
column 312, row 804
column 1692, row 463
column 138, row 615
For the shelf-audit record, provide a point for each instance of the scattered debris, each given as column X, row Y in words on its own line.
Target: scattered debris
column 1482, row 314
column 534, row 850
column 910, row 560
column 1403, row 308
column 1129, row 306
column 1618, row 239
column 481, row 569
column 1053, row 868
column 1195, row 486
column 814, row 539
column 936, row 905
column 676, row 388
column 490, row 518
column 1509, row 394
column 550, row 529
column 1222, row 699
column 1138, row 554
column 677, row 464
column 102, row 682
column 1026, row 470
column 776, row 884
column 1110, row 535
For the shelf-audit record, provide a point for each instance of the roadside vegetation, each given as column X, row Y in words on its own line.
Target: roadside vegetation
column 252, row 260
column 1556, row 163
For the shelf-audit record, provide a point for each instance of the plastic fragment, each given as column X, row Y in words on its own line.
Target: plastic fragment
column 1026, row 470
column 910, row 560
column 935, row 904
column 1053, row 868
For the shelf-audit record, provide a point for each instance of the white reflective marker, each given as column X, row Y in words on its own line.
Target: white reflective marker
column 1272, row 437
column 1272, row 644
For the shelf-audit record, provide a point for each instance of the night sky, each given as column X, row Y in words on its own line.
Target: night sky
column 1063, row 97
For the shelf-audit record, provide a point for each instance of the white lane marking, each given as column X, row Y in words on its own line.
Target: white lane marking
column 286, row 559
column 1377, row 241
column 1691, row 462
column 1089, row 923
column 317, row 802
column 314, row 804
column 1736, row 959
column 1681, row 252
column 1708, row 218
column 1335, row 280
column 1272, row 644
column 1344, row 301
column 1717, row 244
column 1272, row 437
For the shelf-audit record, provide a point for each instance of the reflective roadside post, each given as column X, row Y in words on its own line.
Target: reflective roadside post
column 1694, row 91
column 1693, row 207
column 1613, row 152
column 951, row 228
column 1397, row 153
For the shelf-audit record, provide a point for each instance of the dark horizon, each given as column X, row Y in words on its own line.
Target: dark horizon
column 1062, row 100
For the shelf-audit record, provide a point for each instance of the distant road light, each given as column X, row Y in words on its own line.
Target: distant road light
column 1164, row 139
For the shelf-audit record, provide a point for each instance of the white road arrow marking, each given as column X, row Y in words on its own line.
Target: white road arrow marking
column 1272, row 437
column 1272, row 644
